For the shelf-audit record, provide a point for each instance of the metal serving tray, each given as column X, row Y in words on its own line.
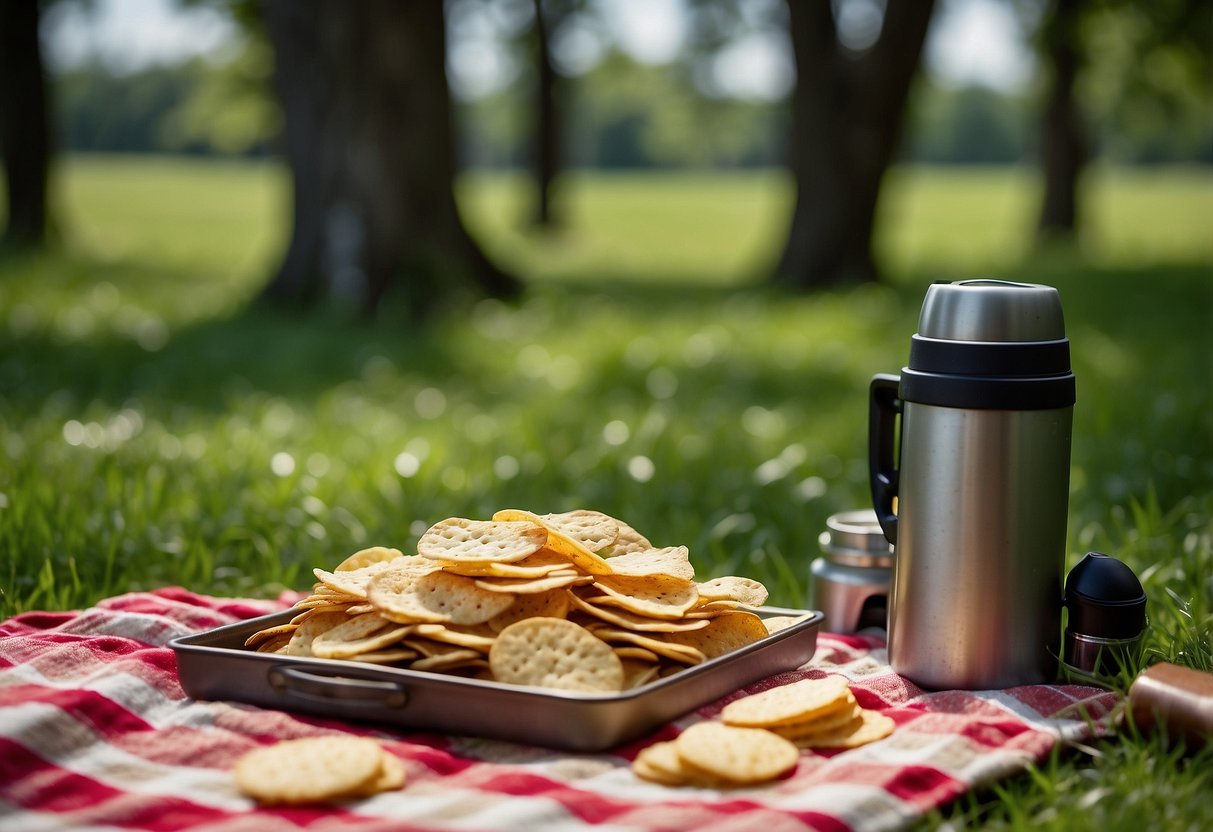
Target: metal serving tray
column 216, row 665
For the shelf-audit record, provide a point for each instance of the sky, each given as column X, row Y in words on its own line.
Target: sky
column 971, row 41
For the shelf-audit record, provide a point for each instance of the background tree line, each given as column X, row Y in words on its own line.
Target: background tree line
column 621, row 114
column 362, row 110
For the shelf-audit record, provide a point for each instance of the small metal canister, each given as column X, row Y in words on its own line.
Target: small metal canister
column 851, row 583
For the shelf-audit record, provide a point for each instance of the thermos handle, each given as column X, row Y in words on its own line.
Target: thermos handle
column 883, row 409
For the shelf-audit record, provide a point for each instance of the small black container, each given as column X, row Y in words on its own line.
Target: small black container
column 1106, row 608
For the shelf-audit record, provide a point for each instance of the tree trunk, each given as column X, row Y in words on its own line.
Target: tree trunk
column 25, row 134
column 847, row 111
column 547, row 154
column 370, row 143
column 1063, row 145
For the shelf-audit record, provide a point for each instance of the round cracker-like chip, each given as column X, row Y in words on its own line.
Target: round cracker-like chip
column 365, row 557
column 778, row 623
column 270, row 633
column 655, row 596
column 746, row 591
column 306, row 633
column 592, row 529
column 671, row 562
column 628, row 540
column 482, row 639
column 657, row 643
column 555, row 653
column 551, row 604
column 438, row 597
column 277, row 644
column 738, row 755
column 631, row 621
column 459, row 539
column 310, row 770
column 531, row 586
column 786, row 704
column 329, row 602
column 352, row 582
column 539, row 565
column 637, row 673
column 843, row 720
column 460, row 657
column 660, row 763
column 872, row 726
column 391, row 775
column 390, row 656
column 347, row 644
column 568, row 540
column 725, row 633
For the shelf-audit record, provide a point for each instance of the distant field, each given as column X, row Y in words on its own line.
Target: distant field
column 226, row 219
column 728, row 227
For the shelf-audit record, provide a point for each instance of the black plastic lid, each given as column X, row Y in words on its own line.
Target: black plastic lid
column 1104, row 598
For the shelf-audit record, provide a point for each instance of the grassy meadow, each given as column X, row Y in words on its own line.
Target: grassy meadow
column 155, row 429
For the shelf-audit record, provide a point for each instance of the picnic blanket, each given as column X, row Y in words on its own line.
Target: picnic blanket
column 96, row 733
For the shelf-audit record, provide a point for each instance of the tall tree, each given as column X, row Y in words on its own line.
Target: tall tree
column 847, row 112
column 547, row 144
column 1153, row 66
column 1063, row 141
column 370, row 144
column 25, row 131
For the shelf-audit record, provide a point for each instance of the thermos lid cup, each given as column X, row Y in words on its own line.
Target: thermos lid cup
column 991, row 310
column 1107, row 616
column 1104, row 598
column 990, row 345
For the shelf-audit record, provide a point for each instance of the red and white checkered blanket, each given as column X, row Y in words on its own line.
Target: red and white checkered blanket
column 95, row 733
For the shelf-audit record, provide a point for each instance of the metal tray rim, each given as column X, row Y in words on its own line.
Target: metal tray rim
column 190, row 644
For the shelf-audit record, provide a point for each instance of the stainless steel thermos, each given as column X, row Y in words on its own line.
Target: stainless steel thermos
column 969, row 451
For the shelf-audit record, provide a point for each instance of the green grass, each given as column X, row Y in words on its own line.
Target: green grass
column 155, row 430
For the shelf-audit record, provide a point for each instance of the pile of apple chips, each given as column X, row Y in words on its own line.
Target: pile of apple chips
column 576, row 601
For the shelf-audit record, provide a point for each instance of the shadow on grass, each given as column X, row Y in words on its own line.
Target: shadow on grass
column 1146, row 315
column 257, row 349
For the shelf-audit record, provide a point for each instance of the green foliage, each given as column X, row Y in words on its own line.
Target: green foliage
column 1145, row 91
column 154, row 430
column 197, row 106
column 1146, row 85
column 972, row 125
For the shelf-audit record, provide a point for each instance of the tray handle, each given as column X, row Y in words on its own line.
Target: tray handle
column 297, row 682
